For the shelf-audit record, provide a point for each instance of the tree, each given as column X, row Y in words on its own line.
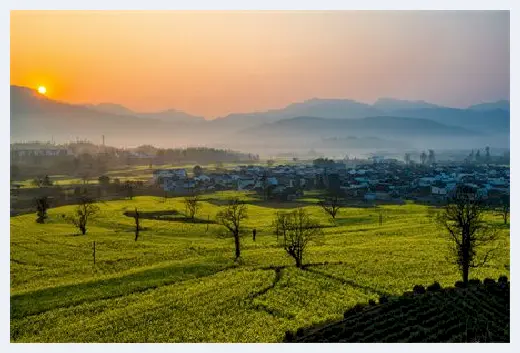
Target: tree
column 42, row 205
column 85, row 176
column 192, row 204
column 477, row 156
column 104, row 180
column 270, row 163
column 297, row 229
column 37, row 182
column 197, row 170
column 504, row 208
column 331, row 204
column 85, row 211
column 230, row 217
column 462, row 218
column 15, row 172
column 137, row 228
column 488, row 155
column 129, row 189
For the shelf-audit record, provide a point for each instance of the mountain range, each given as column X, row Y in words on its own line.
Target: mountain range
column 36, row 117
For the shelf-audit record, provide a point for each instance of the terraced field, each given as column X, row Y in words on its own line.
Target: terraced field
column 479, row 313
column 179, row 283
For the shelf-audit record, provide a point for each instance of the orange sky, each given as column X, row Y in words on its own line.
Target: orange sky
column 215, row 63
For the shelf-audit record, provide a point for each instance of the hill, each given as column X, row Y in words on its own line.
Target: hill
column 111, row 108
column 36, row 117
column 383, row 126
column 392, row 104
column 498, row 105
column 179, row 283
column 170, row 115
column 488, row 121
column 479, row 313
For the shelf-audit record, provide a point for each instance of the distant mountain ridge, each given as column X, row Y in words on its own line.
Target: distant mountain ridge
column 170, row 115
column 378, row 125
column 502, row 104
column 36, row 117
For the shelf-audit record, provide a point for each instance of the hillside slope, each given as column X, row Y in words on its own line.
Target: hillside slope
column 479, row 313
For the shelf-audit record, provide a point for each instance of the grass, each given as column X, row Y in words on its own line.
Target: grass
column 179, row 283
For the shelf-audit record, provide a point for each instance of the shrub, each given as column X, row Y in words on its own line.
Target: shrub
column 502, row 279
column 383, row 300
column 289, row 336
column 300, row 332
column 371, row 302
column 418, row 289
column 488, row 282
column 435, row 287
column 474, row 282
column 460, row 284
column 355, row 309
column 408, row 294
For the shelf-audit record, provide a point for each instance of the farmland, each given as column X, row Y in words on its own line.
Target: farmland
column 179, row 282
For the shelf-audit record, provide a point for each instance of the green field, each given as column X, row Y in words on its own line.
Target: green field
column 179, row 283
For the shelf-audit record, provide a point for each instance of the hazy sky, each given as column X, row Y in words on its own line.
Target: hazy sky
column 214, row 63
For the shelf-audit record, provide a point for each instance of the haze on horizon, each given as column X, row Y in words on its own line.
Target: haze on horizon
column 220, row 62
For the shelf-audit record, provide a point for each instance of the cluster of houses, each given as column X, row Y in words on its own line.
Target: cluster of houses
column 367, row 181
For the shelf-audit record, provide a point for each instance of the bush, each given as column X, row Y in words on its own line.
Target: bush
column 418, row 289
column 289, row 336
column 488, row 282
column 355, row 309
column 300, row 332
column 435, row 287
column 460, row 284
column 383, row 300
column 371, row 302
column 408, row 294
column 502, row 279
column 474, row 282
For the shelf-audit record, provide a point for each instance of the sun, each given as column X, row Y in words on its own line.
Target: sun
column 42, row 90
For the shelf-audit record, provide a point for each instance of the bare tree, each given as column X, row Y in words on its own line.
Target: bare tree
column 137, row 227
column 503, row 208
column 85, row 211
column 42, row 205
column 230, row 217
column 462, row 218
column 281, row 224
column 331, row 204
column 298, row 229
column 192, row 204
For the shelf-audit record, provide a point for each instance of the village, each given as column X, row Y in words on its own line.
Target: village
column 368, row 180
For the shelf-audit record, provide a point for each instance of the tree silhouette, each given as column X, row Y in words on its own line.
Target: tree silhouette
column 462, row 218
column 84, row 212
column 42, row 205
column 192, row 203
column 231, row 217
column 297, row 229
